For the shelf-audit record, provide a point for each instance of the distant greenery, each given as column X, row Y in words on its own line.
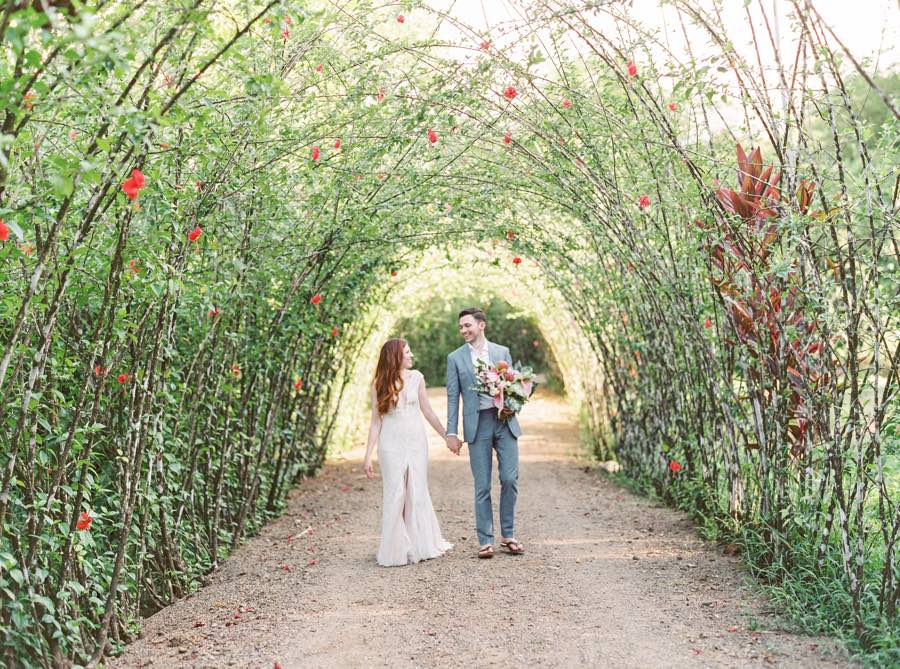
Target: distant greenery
column 433, row 334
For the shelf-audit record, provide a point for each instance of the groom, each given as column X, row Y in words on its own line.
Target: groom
column 485, row 432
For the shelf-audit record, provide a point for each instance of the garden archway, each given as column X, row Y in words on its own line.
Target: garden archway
column 192, row 200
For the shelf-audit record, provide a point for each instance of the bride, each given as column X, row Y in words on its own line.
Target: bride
column 409, row 527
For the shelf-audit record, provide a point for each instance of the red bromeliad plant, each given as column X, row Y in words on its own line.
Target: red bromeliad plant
column 766, row 299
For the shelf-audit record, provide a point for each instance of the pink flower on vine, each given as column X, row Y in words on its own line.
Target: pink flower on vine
column 401, row 18
column 507, row 138
column 673, row 106
column 632, row 69
column 432, row 136
column 84, row 521
column 517, row 261
column 643, row 202
column 674, row 466
column 485, row 45
column 194, row 234
column 122, row 378
column 566, row 103
column 510, row 93
column 337, row 143
column 316, row 299
column 4, row 231
column 315, row 152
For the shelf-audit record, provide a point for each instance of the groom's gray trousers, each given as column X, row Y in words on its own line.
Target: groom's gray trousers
column 494, row 434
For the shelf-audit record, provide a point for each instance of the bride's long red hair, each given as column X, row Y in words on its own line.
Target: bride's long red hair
column 389, row 375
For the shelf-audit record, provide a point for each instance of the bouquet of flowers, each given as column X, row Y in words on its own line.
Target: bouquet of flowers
column 509, row 387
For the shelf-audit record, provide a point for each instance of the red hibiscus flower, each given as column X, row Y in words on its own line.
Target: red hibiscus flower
column 380, row 95
column 99, row 371
column 673, row 106
column 319, row 67
column 316, row 299
column 84, row 521
column 643, row 202
column 194, row 234
column 315, row 152
column 337, row 143
column 485, row 46
column 707, row 324
column 236, row 370
column 334, row 331
column 26, row 249
column 285, row 33
column 134, row 184
column 4, row 231
column 510, row 235
column 517, row 260
column 510, row 93
column 214, row 312
column 393, row 272
column 502, row 365
column 122, row 378
column 298, row 384
column 28, row 99
column 432, row 136
column 674, row 466
column 133, row 264
column 566, row 103
column 507, row 138
column 401, row 18
column 632, row 69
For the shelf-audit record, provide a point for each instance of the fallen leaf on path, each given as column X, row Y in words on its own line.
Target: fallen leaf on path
column 696, row 651
column 733, row 629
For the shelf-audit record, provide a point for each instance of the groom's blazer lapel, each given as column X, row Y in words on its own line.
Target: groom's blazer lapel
column 467, row 358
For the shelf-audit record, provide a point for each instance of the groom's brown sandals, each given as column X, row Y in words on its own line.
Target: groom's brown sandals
column 486, row 552
column 513, row 547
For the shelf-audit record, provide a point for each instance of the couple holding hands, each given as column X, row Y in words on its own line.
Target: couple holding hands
column 410, row 530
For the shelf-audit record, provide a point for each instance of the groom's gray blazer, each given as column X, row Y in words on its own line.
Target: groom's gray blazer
column 460, row 379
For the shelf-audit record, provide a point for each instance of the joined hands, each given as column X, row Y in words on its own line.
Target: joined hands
column 453, row 443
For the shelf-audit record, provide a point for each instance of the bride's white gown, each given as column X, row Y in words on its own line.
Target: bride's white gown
column 409, row 526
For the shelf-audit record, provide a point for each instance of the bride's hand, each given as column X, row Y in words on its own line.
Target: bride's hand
column 369, row 469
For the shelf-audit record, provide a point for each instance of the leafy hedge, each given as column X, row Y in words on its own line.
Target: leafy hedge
column 204, row 203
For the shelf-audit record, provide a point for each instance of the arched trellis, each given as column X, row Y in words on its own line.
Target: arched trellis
column 472, row 273
column 291, row 154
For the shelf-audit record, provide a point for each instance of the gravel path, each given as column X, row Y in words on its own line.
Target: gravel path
column 609, row 579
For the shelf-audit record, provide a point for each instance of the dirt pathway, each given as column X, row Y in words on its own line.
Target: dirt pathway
column 608, row 580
